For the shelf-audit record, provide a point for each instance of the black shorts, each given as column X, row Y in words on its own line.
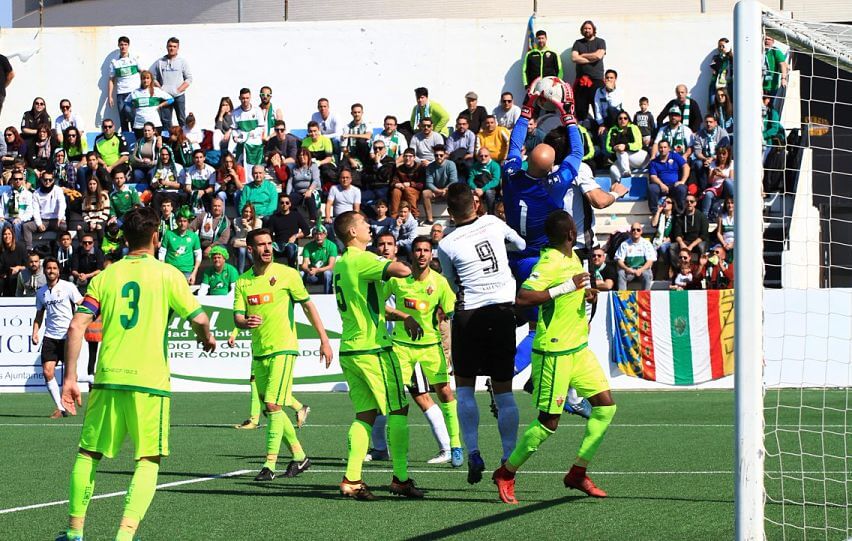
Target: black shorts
column 484, row 342
column 419, row 382
column 52, row 350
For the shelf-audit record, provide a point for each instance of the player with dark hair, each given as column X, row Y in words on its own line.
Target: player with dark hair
column 474, row 261
column 561, row 358
column 55, row 304
column 130, row 395
column 422, row 299
column 264, row 300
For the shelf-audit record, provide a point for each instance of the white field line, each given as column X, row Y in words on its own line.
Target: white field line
column 312, row 425
column 123, row 492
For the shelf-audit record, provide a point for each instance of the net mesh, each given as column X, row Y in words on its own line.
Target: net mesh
column 808, row 276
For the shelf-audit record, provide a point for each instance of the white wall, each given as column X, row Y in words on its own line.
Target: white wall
column 378, row 63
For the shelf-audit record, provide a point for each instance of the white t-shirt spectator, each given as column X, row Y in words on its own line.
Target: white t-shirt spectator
column 61, row 123
column 344, row 200
column 636, row 254
column 331, row 127
column 508, row 118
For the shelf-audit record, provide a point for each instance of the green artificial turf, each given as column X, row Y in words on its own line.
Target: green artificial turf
column 666, row 462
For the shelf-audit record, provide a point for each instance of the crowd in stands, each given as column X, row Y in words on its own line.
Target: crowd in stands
column 213, row 183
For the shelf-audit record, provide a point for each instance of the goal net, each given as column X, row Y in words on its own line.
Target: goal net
column 806, row 270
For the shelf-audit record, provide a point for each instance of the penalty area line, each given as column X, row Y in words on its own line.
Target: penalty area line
column 124, row 492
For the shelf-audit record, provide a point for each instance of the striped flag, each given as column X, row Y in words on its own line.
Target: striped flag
column 531, row 32
column 673, row 337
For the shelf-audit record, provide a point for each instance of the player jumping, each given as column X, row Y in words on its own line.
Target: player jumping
column 561, row 358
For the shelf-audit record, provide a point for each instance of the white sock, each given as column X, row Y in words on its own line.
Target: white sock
column 573, row 398
column 439, row 428
column 507, row 422
column 379, row 435
column 53, row 387
column 468, row 418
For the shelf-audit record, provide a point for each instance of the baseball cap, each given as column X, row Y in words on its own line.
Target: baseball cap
column 675, row 110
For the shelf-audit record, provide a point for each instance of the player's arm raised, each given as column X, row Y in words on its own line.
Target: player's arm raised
column 528, row 297
column 325, row 346
column 70, row 391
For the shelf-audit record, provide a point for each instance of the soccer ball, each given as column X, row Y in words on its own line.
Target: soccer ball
column 551, row 89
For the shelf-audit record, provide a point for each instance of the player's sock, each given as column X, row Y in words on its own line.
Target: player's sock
column 398, row 437
column 468, row 418
column 80, row 492
column 523, row 355
column 507, row 422
column 573, row 397
column 53, row 387
column 290, row 438
column 274, row 431
column 139, row 496
column 529, row 444
column 295, row 405
column 379, row 433
column 596, row 428
column 451, row 419
column 254, row 414
column 439, row 427
column 359, row 442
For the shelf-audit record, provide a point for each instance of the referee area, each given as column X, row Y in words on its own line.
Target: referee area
column 667, row 465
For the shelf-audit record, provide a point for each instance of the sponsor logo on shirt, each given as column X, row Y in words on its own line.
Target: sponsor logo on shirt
column 416, row 304
column 261, row 298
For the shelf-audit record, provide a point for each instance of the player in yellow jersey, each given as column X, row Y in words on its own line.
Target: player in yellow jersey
column 130, row 395
column 369, row 365
column 420, row 300
column 561, row 357
column 264, row 302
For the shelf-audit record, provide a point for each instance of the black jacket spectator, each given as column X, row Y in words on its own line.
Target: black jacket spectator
column 287, row 147
column 86, row 262
column 690, row 227
column 695, row 117
column 476, row 118
column 283, row 226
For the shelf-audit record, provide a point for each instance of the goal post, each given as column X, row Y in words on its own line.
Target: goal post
column 748, row 303
column 793, row 303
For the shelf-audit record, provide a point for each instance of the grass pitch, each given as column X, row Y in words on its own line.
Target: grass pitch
column 666, row 463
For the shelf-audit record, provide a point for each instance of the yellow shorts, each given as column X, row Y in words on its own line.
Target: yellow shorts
column 273, row 376
column 113, row 414
column 375, row 381
column 554, row 374
column 431, row 359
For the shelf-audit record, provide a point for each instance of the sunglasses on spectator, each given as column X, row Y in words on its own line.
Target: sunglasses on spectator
column 64, row 107
column 378, row 147
column 636, row 229
column 87, row 242
column 17, row 178
column 108, row 126
column 285, row 202
column 265, row 95
column 440, row 155
column 690, row 201
column 280, row 129
column 684, row 258
column 9, row 134
column 597, row 255
column 506, row 101
column 426, row 125
column 624, row 118
column 39, row 103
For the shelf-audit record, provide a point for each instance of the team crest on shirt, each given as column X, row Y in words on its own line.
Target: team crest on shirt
column 272, row 280
column 430, row 289
column 416, row 304
column 262, row 298
column 560, row 400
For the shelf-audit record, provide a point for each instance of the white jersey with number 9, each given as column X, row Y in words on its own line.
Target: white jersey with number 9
column 474, row 261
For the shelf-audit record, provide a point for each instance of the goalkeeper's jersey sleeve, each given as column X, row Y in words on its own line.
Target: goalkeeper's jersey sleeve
column 562, row 326
column 272, row 296
column 137, row 297
column 421, row 299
